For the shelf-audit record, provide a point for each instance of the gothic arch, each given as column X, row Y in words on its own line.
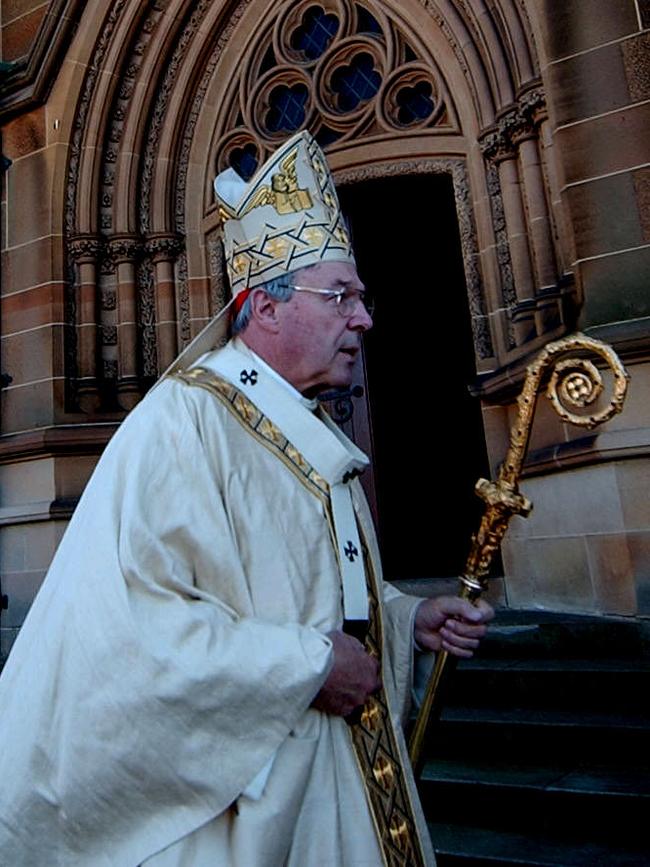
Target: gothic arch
column 174, row 91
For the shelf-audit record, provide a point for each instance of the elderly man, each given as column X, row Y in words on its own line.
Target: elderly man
column 213, row 672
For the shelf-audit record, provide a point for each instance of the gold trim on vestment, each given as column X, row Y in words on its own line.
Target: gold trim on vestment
column 379, row 758
column 373, row 737
column 261, row 427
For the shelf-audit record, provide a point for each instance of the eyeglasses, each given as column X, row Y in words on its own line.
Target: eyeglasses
column 344, row 301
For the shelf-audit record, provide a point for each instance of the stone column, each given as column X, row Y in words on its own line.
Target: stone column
column 498, row 148
column 531, row 113
column 163, row 249
column 85, row 251
column 538, row 215
column 514, row 147
column 124, row 251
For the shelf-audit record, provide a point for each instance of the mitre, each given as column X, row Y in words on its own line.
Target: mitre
column 285, row 218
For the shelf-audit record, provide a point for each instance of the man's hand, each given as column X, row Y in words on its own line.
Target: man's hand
column 451, row 624
column 354, row 676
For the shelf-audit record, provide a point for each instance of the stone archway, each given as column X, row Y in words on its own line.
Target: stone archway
column 194, row 86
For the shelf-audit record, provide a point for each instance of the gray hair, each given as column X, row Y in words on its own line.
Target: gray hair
column 280, row 288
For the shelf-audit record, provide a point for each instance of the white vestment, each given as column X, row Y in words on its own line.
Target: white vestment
column 172, row 655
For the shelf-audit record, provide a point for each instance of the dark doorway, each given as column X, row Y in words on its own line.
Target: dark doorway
column 426, row 432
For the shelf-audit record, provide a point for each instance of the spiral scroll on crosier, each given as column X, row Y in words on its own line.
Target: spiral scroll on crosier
column 575, row 383
column 574, row 386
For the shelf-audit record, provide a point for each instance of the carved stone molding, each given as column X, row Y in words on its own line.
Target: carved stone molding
column 109, row 335
column 183, row 299
column 121, row 108
column 84, row 249
column 532, row 105
column 147, row 319
column 432, row 8
column 197, row 106
column 519, row 122
column 81, row 120
column 468, row 32
column 123, row 248
column 504, row 262
column 219, row 292
column 109, row 299
column 163, row 247
column 159, row 112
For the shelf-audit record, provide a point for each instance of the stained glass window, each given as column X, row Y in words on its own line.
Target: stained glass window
column 287, row 108
column 366, row 23
column 244, row 161
column 315, row 33
column 356, row 83
column 415, row 103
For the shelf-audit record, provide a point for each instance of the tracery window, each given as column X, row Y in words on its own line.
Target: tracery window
column 336, row 67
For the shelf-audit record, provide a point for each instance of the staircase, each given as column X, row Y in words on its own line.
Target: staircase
column 542, row 756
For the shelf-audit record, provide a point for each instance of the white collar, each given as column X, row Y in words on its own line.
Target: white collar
column 310, row 403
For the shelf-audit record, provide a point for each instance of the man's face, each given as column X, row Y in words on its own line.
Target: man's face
column 321, row 344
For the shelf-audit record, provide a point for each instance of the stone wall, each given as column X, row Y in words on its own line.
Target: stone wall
column 20, row 21
column 596, row 68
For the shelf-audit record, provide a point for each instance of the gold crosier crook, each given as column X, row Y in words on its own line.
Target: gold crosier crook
column 575, row 382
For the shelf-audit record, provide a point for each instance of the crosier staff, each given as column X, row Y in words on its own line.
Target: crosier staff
column 574, row 381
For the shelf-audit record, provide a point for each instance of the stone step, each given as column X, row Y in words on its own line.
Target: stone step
column 518, row 735
column 563, row 807
column 571, row 778
column 542, row 754
column 601, row 799
column 581, row 685
column 468, row 845
column 533, row 634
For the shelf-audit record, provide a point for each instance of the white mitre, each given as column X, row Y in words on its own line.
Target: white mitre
column 288, row 216
column 285, row 218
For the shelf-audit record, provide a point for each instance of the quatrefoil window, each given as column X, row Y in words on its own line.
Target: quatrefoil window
column 414, row 103
column 315, row 33
column 287, row 108
column 244, row 160
column 343, row 69
column 356, row 83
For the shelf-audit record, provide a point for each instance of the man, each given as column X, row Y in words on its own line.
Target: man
column 213, row 672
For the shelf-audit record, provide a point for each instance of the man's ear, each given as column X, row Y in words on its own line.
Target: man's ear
column 264, row 310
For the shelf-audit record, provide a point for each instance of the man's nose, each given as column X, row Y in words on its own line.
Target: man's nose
column 361, row 320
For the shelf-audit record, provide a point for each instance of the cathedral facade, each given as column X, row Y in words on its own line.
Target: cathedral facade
column 493, row 157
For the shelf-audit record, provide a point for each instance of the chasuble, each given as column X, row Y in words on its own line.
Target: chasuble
column 156, row 704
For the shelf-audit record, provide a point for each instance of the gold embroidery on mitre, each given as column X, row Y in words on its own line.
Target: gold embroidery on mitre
column 313, row 235
column 276, row 247
column 302, row 210
column 239, row 264
column 283, row 194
